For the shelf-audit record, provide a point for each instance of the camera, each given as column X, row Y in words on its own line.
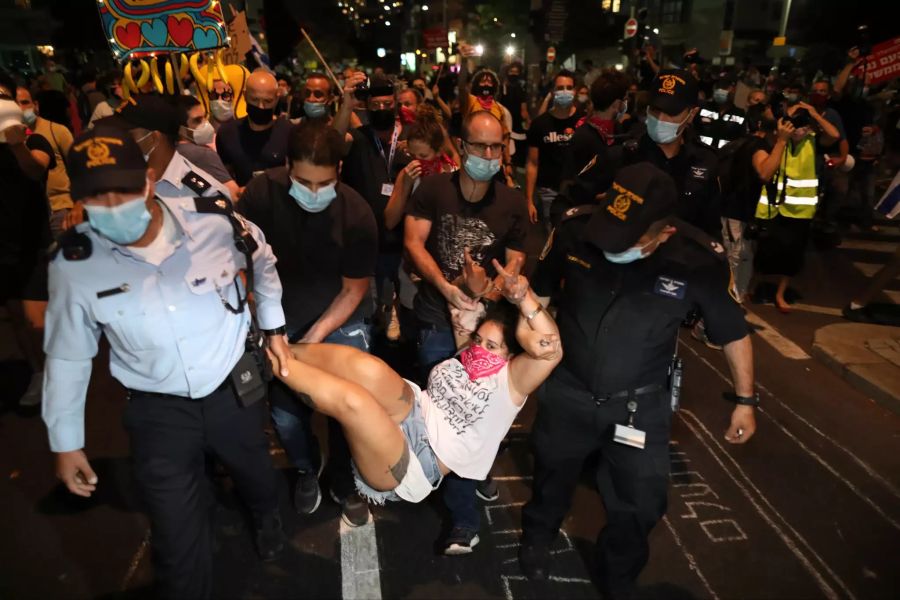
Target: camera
column 362, row 91
column 800, row 118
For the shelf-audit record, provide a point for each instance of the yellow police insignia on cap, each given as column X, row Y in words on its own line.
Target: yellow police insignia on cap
column 622, row 203
column 98, row 151
column 668, row 83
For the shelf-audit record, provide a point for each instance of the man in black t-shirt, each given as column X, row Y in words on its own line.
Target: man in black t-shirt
column 325, row 237
column 258, row 141
column 548, row 139
column 24, row 231
column 447, row 214
column 514, row 97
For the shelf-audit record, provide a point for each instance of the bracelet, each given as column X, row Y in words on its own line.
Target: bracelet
column 742, row 400
column 534, row 313
column 277, row 331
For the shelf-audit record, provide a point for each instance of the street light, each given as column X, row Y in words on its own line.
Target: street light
column 510, row 50
column 512, row 35
column 387, row 23
column 425, row 8
column 381, row 52
column 479, row 50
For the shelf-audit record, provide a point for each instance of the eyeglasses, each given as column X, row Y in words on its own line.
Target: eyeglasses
column 481, row 149
column 314, row 94
column 223, row 96
column 382, row 105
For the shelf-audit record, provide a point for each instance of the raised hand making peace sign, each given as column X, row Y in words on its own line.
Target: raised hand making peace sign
column 511, row 283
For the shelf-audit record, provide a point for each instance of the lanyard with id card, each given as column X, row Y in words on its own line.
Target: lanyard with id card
column 388, row 188
column 628, row 434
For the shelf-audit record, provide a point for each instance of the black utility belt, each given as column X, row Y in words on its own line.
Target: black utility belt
column 226, row 383
column 626, row 394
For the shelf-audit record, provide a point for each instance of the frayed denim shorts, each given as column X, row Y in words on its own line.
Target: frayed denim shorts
column 413, row 428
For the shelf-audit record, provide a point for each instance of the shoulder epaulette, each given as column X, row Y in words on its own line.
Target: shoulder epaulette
column 219, row 205
column 577, row 211
column 700, row 237
column 74, row 245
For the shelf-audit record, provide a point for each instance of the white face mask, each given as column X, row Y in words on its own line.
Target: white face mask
column 203, row 135
column 221, row 110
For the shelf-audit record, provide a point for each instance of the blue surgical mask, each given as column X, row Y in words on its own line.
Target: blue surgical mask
column 123, row 224
column 29, row 116
column 663, row 132
column 311, row 201
column 629, row 256
column 720, row 96
column 314, row 110
column 481, row 169
column 564, row 98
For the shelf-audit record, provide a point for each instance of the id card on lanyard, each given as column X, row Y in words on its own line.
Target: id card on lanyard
column 388, row 188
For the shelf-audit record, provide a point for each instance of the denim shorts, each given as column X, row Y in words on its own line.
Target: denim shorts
column 413, row 428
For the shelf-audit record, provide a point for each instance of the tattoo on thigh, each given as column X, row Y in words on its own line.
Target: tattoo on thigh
column 399, row 469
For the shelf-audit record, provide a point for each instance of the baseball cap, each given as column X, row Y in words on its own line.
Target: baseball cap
column 380, row 85
column 641, row 195
column 103, row 159
column 148, row 111
column 673, row 90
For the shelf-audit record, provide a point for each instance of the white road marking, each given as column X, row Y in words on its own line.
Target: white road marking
column 360, row 572
column 868, row 245
column 870, row 471
column 686, row 417
column 489, row 508
column 785, row 347
column 822, row 310
column 867, row 269
column 894, row 295
column 136, row 561
column 692, row 562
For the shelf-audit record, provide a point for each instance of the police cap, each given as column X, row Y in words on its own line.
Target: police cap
column 641, row 195
column 673, row 90
column 103, row 159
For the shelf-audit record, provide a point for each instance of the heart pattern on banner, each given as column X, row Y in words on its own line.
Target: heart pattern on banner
column 155, row 32
column 205, row 38
column 180, row 30
column 129, row 35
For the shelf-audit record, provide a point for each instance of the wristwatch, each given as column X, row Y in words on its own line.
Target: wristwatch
column 742, row 400
column 277, row 331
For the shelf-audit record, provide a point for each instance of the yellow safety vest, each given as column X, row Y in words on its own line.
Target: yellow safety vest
column 796, row 183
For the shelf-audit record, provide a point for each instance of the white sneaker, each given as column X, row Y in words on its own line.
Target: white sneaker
column 32, row 396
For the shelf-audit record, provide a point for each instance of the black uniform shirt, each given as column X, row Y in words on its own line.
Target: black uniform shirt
column 695, row 172
column 715, row 129
column 618, row 323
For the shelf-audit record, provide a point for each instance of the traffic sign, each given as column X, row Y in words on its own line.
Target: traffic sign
column 631, row 26
column 551, row 54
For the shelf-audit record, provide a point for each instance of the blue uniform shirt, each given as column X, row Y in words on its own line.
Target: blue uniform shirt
column 167, row 326
column 172, row 183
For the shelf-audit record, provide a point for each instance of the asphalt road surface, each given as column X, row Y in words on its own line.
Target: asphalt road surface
column 809, row 508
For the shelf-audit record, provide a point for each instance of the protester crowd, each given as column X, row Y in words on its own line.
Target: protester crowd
column 404, row 213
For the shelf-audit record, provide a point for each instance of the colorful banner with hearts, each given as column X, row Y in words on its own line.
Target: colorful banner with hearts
column 138, row 28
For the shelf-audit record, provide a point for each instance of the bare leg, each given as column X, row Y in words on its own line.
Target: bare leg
column 376, row 443
column 365, row 370
column 780, row 302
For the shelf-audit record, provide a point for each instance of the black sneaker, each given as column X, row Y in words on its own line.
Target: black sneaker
column 461, row 541
column 534, row 560
column 307, row 493
column 354, row 509
column 270, row 538
column 487, row 489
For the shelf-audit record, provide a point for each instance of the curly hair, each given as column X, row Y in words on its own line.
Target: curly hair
column 506, row 315
column 427, row 127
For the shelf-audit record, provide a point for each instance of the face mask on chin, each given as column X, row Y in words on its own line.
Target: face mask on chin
column 631, row 255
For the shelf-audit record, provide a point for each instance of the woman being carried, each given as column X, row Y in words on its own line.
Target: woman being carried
column 404, row 439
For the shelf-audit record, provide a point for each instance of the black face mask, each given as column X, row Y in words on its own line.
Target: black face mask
column 382, row 120
column 487, row 91
column 514, row 78
column 259, row 116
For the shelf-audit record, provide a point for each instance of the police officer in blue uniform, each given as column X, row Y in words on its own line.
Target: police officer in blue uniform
column 632, row 271
column 720, row 121
column 160, row 277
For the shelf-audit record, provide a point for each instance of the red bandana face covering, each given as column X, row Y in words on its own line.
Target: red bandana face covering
column 407, row 115
column 479, row 362
column 435, row 165
column 486, row 102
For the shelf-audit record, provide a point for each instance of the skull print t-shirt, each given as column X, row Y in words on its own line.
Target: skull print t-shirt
column 487, row 228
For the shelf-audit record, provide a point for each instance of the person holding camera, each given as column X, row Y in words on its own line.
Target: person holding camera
column 161, row 278
column 786, row 209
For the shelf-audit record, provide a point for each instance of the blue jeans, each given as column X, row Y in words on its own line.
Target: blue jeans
column 292, row 419
column 437, row 344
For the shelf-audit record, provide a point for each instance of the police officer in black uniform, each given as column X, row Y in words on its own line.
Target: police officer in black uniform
column 632, row 271
column 673, row 106
column 720, row 120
